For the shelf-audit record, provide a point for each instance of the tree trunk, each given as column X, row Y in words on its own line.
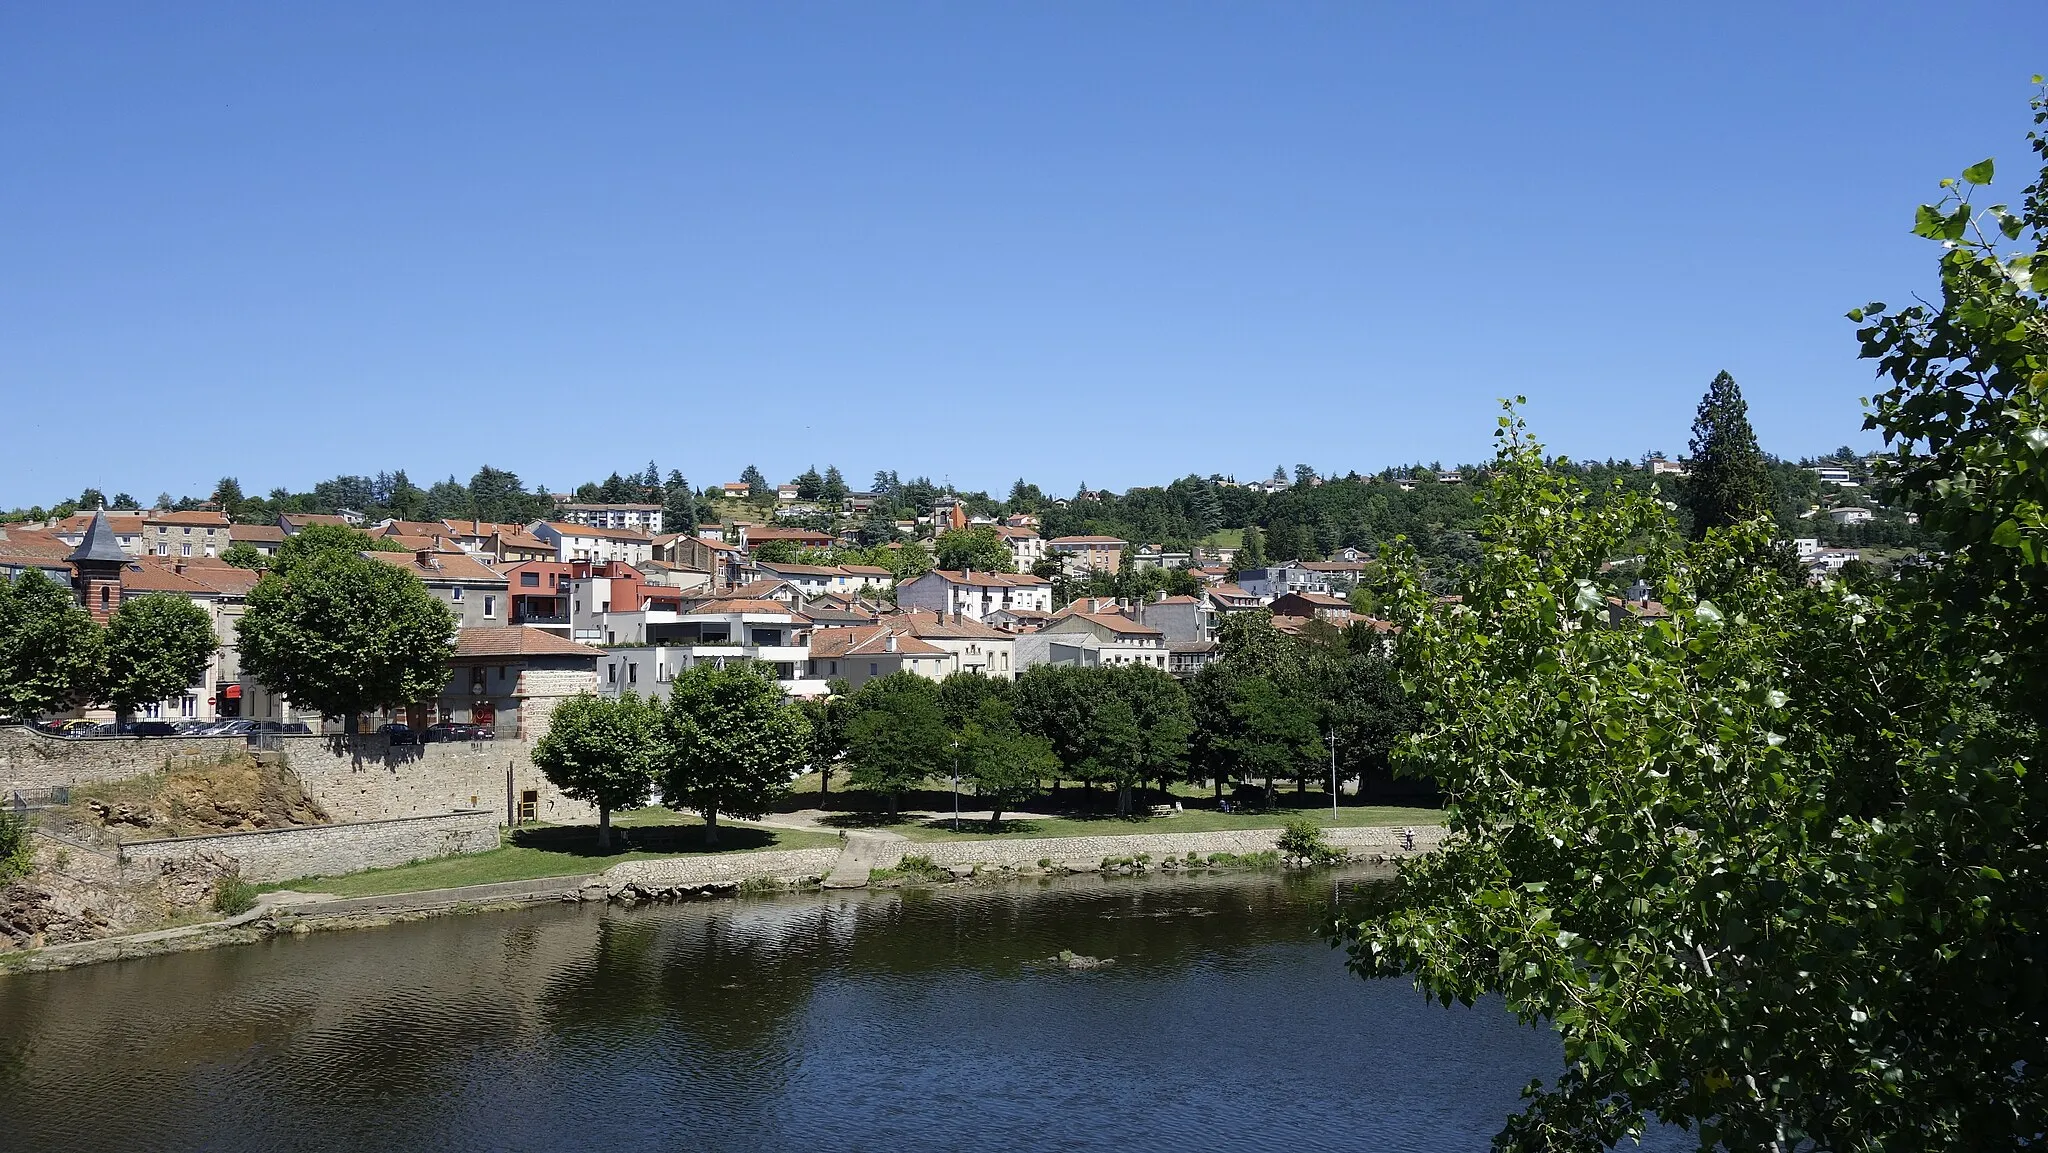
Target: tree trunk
column 893, row 804
column 711, row 826
column 351, row 724
column 1300, row 785
column 1217, row 781
column 824, row 782
column 604, row 829
column 995, row 818
column 1123, row 800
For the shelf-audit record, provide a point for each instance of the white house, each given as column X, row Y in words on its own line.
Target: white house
column 1851, row 514
column 715, row 632
column 1093, row 639
column 974, row 594
column 861, row 653
column 638, row 517
column 1026, row 547
column 573, row 542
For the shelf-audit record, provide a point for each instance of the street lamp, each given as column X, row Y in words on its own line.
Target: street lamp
column 1333, row 774
column 956, row 784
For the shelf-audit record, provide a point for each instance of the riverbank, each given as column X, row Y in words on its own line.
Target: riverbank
column 728, row 874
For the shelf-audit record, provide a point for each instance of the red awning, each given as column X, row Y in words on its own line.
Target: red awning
column 233, row 693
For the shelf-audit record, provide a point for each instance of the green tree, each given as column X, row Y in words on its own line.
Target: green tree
column 976, row 547
column 731, row 743
column 833, row 490
column 322, row 538
column 1252, row 554
column 961, row 696
column 602, row 750
column 228, row 495
column 1726, row 481
column 51, row 652
column 158, row 646
column 809, row 485
column 1772, row 867
column 828, row 716
column 758, row 487
column 242, row 554
column 343, row 633
column 897, row 737
column 1005, row 763
column 679, row 505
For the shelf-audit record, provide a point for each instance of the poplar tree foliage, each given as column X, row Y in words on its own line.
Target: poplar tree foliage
column 602, row 750
column 52, row 653
column 897, row 737
column 1774, row 867
column 731, row 743
column 1726, row 479
column 336, row 630
column 158, row 646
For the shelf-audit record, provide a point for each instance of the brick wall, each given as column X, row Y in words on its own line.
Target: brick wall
column 331, row 850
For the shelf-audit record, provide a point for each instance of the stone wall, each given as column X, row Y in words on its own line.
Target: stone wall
column 36, row 760
column 329, row 850
column 377, row 781
column 374, row 781
column 711, row 868
column 1088, row 852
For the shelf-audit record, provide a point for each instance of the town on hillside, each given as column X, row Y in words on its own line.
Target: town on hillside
column 620, row 586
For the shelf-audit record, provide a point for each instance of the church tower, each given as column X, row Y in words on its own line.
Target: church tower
column 96, row 567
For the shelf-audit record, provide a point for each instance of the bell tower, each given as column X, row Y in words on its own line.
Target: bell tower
column 96, row 567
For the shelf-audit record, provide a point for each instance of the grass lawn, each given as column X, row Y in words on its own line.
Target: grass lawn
column 1225, row 538
column 1108, row 825
column 563, row 851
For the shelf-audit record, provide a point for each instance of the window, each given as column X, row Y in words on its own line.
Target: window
column 529, row 580
column 163, row 548
column 611, row 673
column 874, row 669
column 490, row 606
column 455, row 594
column 632, row 674
column 185, row 549
column 188, row 530
column 188, row 707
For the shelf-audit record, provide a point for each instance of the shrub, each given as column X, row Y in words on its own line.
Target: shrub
column 233, row 896
column 17, row 847
column 1302, row 840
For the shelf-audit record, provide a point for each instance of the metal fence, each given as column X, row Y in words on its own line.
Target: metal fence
column 25, row 799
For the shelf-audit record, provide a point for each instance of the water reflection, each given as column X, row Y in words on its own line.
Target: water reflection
column 907, row 1020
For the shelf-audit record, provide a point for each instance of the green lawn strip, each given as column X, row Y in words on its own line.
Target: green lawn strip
column 1225, row 538
column 535, row 852
column 938, row 828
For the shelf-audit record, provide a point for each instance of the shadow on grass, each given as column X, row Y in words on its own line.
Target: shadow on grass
column 581, row 840
column 945, row 825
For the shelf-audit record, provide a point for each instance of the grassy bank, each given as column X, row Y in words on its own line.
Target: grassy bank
column 536, row 852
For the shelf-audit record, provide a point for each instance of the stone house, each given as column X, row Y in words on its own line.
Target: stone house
column 474, row 590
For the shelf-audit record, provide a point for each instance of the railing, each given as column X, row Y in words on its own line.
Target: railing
column 26, row 799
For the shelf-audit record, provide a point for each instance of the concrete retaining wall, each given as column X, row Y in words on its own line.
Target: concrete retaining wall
column 331, row 850
column 788, row 864
column 1088, row 852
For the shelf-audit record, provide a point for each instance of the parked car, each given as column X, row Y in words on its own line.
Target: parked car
column 238, row 727
column 455, row 731
column 287, row 728
column 398, row 734
column 146, row 729
column 190, row 728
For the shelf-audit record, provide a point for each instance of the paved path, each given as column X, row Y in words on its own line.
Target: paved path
column 866, row 850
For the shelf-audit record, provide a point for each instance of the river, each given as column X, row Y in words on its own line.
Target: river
column 906, row 1020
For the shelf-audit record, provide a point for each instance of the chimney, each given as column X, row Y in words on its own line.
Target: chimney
column 424, row 558
column 1160, row 596
column 178, row 565
column 889, row 643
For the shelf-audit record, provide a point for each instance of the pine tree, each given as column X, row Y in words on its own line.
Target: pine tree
column 1726, row 481
column 679, row 505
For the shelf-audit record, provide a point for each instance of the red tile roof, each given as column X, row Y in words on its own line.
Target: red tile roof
column 990, row 579
column 518, row 641
column 869, row 640
column 450, row 567
column 746, row 605
column 194, row 517
column 265, row 533
column 564, row 528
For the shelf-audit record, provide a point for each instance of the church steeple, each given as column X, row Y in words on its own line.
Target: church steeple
column 96, row 566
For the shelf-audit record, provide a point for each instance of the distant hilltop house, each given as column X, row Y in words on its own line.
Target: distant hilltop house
column 1835, row 475
column 1660, row 467
column 1851, row 514
column 736, row 488
column 1084, row 554
column 974, row 595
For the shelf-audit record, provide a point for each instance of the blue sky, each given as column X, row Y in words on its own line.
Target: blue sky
column 1111, row 243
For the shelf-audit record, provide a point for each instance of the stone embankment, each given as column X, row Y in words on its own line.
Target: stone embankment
column 677, row 878
column 1086, row 854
